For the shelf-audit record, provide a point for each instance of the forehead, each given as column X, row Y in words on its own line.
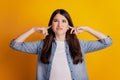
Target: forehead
column 59, row 16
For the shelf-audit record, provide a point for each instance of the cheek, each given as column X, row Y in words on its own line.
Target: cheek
column 66, row 27
column 54, row 25
column 53, row 28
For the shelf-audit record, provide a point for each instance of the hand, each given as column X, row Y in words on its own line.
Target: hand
column 79, row 29
column 42, row 30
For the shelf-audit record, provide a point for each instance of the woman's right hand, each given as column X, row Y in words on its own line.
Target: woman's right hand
column 25, row 35
column 41, row 30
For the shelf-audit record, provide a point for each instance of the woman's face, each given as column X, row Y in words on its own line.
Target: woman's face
column 60, row 24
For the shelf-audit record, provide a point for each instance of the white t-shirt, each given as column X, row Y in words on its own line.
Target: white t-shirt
column 60, row 69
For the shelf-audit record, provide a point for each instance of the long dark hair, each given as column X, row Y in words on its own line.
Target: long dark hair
column 74, row 47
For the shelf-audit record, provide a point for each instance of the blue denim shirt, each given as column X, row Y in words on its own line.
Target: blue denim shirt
column 78, row 71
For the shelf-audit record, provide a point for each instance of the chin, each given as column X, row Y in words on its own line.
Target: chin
column 60, row 33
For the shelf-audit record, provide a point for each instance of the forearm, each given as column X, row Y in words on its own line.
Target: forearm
column 25, row 35
column 95, row 33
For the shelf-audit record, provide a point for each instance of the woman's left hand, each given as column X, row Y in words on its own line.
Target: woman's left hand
column 78, row 30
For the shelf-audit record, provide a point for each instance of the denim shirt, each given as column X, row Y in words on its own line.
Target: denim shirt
column 78, row 71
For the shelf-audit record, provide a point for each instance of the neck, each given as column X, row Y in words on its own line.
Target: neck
column 60, row 38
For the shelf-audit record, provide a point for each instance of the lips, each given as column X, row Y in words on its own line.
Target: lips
column 59, row 28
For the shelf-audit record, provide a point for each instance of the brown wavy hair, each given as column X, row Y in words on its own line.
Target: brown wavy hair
column 72, row 40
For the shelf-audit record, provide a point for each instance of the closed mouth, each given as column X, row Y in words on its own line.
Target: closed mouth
column 59, row 28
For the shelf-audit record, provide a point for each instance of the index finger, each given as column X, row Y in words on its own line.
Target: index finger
column 70, row 27
column 49, row 27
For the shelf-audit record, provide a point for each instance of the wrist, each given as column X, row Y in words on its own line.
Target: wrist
column 32, row 30
column 88, row 29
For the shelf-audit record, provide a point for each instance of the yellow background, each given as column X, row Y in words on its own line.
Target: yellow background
column 17, row 16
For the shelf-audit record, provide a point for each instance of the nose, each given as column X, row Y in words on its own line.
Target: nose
column 59, row 24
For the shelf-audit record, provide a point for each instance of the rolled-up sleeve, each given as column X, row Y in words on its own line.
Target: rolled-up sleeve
column 93, row 45
column 29, row 47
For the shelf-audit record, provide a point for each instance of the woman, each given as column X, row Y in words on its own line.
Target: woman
column 61, row 53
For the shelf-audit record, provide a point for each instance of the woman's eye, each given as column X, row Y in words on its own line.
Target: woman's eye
column 64, row 21
column 55, row 20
